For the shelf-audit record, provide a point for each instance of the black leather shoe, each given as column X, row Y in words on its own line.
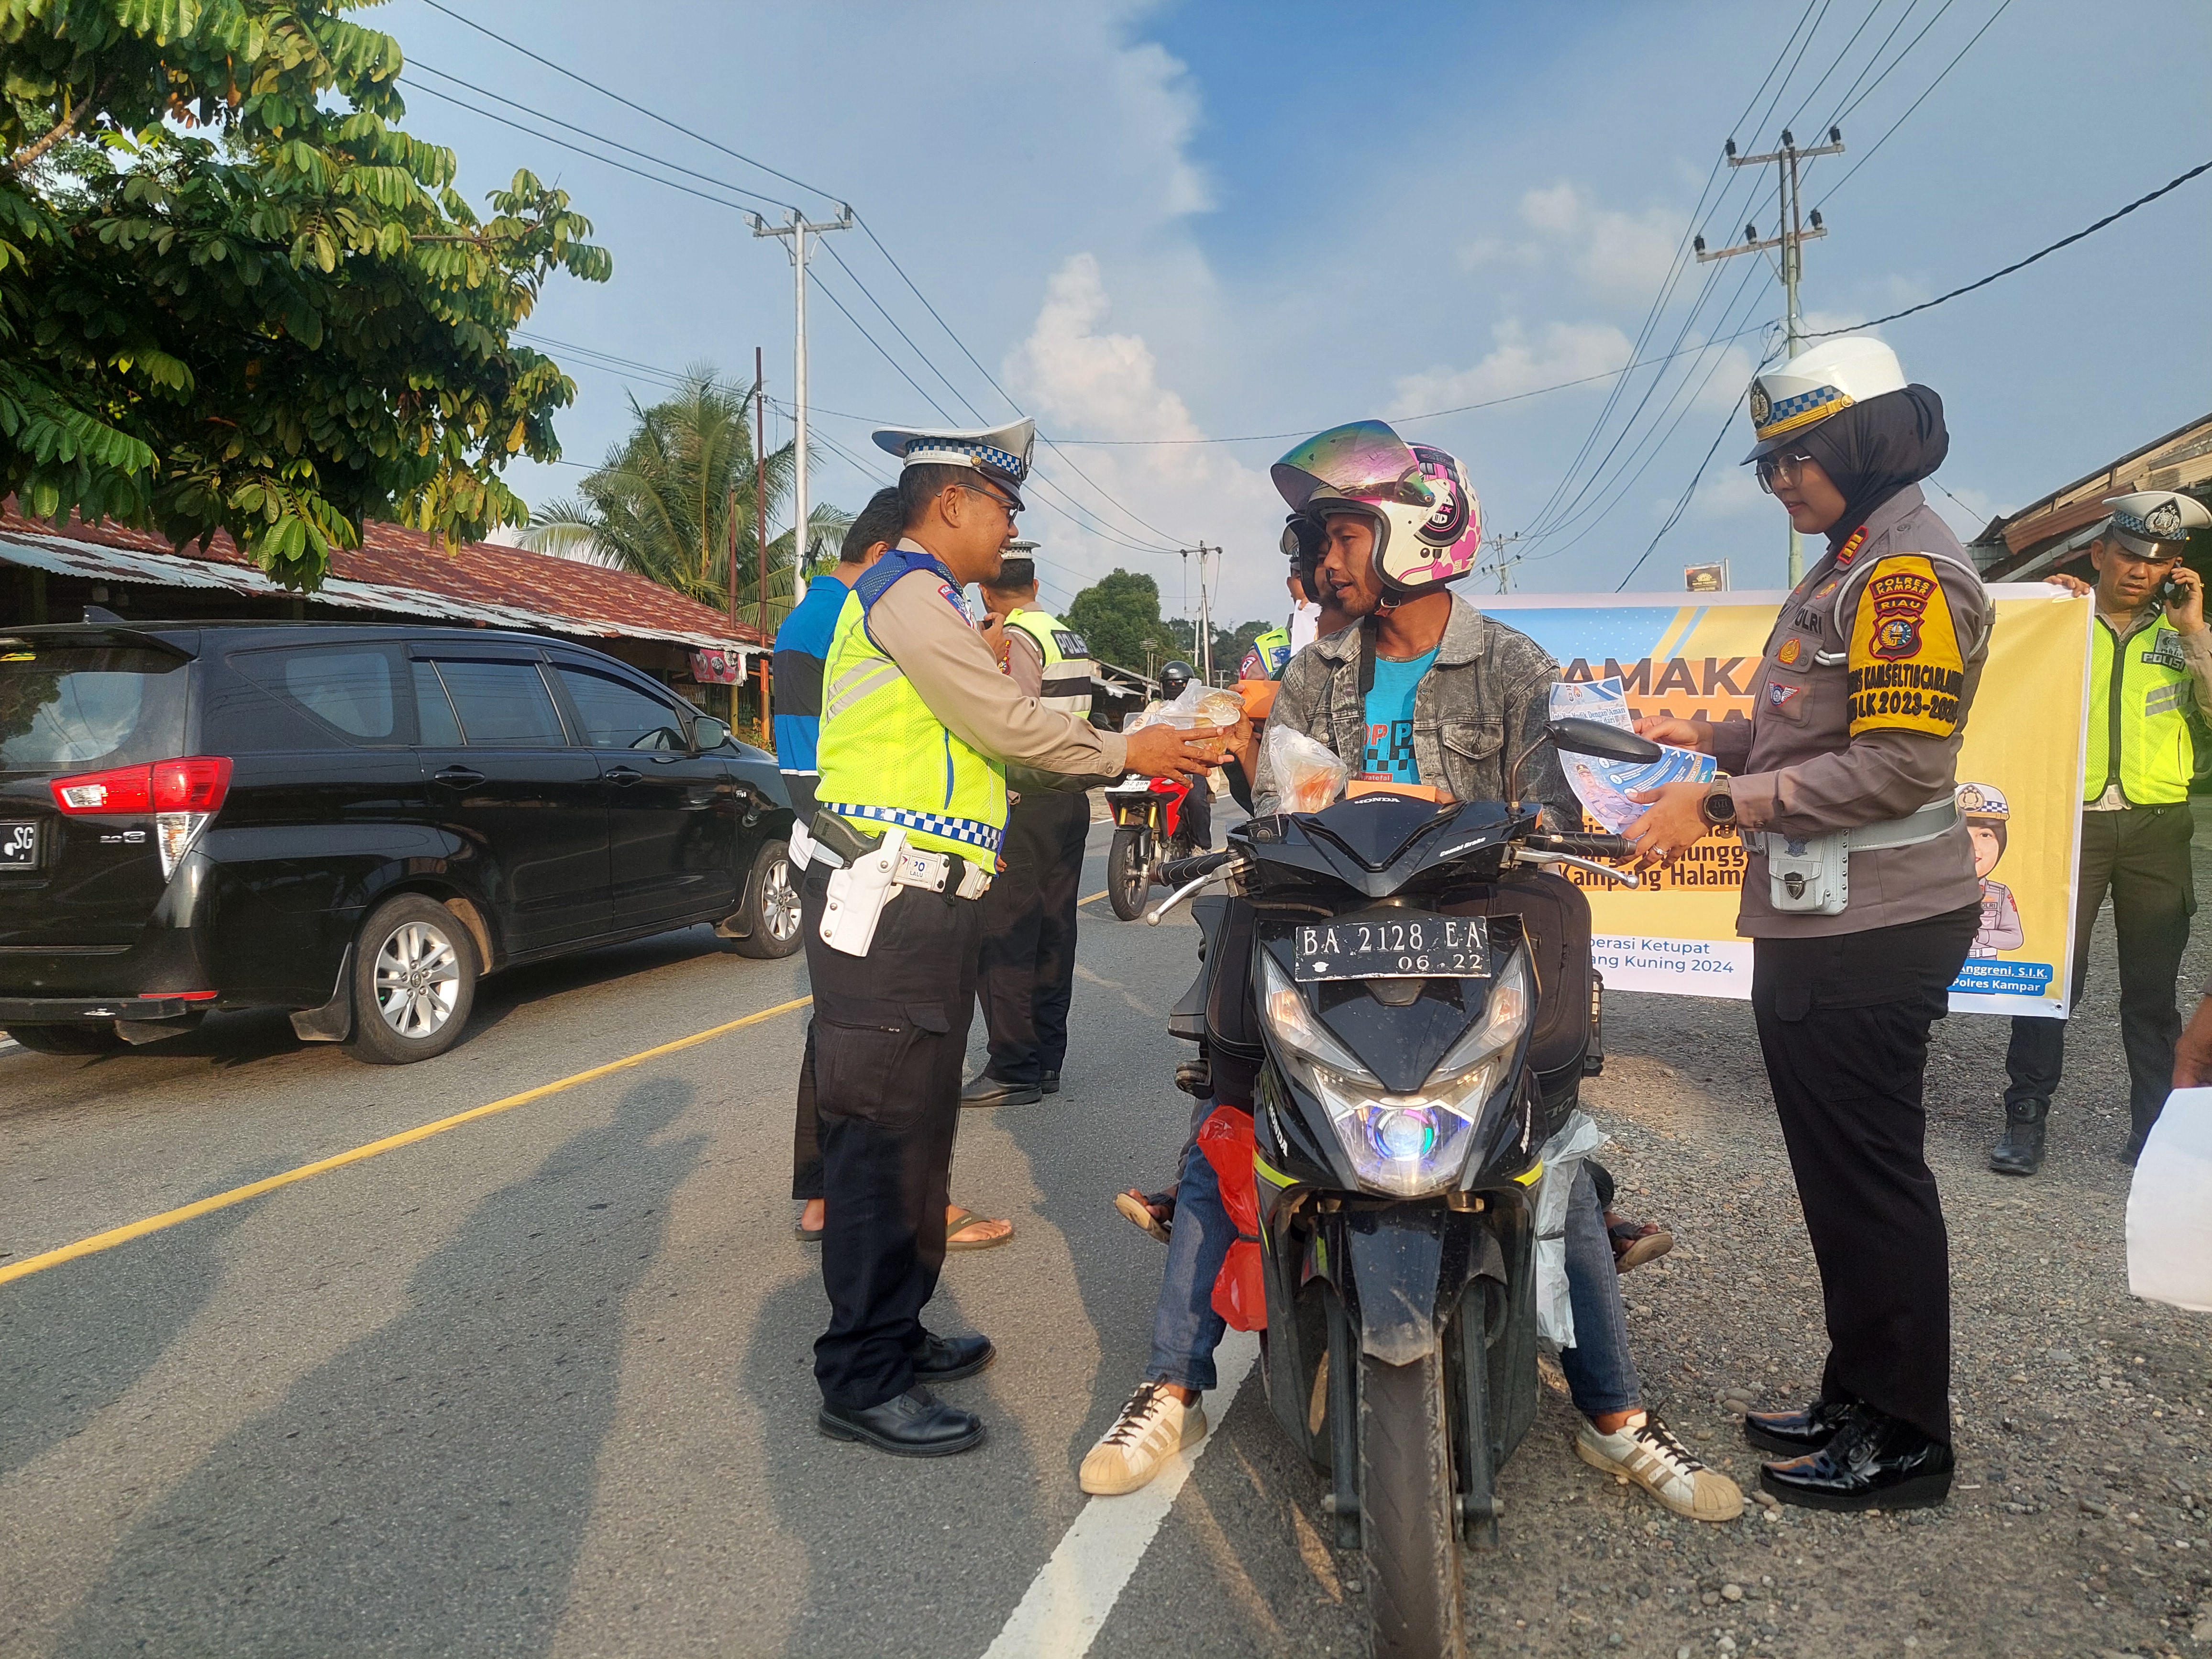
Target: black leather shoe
column 2018, row 1150
column 2133, row 1149
column 1049, row 1082
column 916, row 1423
column 1874, row 1462
column 1794, row 1433
column 988, row 1091
column 948, row 1358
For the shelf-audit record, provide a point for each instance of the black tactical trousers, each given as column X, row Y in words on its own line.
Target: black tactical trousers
column 2142, row 855
column 891, row 1038
column 1843, row 1021
column 1029, row 935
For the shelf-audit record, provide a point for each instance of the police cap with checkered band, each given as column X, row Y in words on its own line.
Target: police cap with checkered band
column 2152, row 523
column 1000, row 453
column 1821, row 381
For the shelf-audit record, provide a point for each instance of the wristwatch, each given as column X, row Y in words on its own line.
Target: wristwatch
column 1718, row 807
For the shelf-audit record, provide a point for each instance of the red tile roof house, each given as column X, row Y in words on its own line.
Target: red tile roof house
column 50, row 574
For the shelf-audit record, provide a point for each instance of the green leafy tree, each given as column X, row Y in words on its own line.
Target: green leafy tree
column 671, row 499
column 234, row 296
column 1118, row 615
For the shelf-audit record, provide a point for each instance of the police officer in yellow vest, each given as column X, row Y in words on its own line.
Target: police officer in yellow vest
column 1029, row 920
column 918, row 726
column 2150, row 670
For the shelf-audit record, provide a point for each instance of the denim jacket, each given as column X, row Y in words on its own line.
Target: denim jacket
column 1485, row 701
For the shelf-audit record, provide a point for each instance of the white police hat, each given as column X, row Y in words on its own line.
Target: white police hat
column 1819, row 381
column 1983, row 800
column 2141, row 521
column 1000, row 453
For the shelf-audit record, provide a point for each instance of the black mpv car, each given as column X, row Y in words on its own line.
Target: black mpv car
column 352, row 822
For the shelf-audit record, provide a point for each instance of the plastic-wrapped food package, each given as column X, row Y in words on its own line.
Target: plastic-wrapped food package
column 1220, row 707
column 1307, row 774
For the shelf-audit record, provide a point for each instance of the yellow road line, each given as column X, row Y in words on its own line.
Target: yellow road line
column 155, row 1223
column 1100, row 894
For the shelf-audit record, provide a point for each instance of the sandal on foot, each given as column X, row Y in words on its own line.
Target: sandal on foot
column 1152, row 1212
column 1634, row 1243
column 806, row 1235
column 960, row 1220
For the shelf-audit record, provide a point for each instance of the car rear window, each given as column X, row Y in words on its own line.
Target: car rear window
column 83, row 705
column 346, row 687
column 619, row 716
column 503, row 703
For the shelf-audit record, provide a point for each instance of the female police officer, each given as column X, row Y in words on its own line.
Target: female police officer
column 1859, row 896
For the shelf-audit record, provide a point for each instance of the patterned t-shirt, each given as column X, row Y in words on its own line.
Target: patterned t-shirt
column 1389, row 757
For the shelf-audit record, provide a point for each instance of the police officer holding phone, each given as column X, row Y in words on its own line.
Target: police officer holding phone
column 1859, row 894
column 918, row 726
column 2150, row 672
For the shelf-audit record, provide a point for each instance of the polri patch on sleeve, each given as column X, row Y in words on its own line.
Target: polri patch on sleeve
column 1906, row 672
column 952, row 597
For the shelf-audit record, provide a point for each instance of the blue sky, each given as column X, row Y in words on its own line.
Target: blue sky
column 1203, row 221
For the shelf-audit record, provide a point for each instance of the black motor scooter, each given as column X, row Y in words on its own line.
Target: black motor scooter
column 1422, row 1010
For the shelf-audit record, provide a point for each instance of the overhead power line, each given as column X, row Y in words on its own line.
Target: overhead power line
column 651, row 115
column 1829, row 194
column 2020, row 265
column 942, row 413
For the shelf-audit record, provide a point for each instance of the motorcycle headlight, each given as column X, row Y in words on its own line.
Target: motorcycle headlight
column 1405, row 1146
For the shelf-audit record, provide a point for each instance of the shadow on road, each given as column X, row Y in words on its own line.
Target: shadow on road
column 428, row 1490
column 884, row 1532
column 76, row 1338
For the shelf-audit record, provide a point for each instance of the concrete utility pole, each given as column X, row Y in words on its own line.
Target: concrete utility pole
column 1204, row 640
column 799, row 228
column 1790, row 237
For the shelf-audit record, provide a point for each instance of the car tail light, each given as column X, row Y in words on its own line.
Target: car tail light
column 128, row 789
column 182, row 795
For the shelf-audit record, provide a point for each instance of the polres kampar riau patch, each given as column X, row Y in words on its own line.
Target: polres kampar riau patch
column 1906, row 672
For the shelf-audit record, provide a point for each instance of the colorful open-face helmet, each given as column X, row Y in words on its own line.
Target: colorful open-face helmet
column 1426, row 518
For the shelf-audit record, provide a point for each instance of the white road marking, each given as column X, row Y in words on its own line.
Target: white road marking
column 1067, row 1602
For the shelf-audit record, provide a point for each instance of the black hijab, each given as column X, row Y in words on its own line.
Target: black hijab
column 1874, row 449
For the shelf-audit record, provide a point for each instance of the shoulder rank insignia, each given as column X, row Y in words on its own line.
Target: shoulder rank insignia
column 1849, row 549
column 1906, row 672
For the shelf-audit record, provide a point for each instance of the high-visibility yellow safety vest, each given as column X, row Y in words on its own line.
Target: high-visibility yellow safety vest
column 884, row 758
column 1067, row 665
column 2139, row 734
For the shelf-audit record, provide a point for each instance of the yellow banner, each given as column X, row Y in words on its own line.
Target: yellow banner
column 2019, row 768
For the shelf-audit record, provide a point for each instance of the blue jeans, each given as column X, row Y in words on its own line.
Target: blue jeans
column 1185, row 1328
column 1601, row 1374
column 1600, row 1371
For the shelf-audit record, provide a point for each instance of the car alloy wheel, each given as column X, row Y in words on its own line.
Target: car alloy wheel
column 418, row 979
column 778, row 902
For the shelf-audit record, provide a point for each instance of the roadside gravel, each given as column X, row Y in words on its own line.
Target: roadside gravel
column 2079, row 1522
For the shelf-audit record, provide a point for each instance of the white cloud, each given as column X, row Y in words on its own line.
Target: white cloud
column 1618, row 254
column 1733, row 494
column 1561, row 351
column 1083, row 381
column 1160, row 110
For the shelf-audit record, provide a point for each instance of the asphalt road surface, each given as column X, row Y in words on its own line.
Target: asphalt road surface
column 539, row 1384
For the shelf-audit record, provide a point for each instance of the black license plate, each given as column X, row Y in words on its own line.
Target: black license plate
column 19, row 846
column 1391, row 945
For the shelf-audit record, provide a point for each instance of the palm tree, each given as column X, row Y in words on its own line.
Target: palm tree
column 671, row 500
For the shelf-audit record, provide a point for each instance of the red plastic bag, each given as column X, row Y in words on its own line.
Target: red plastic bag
column 1240, row 1296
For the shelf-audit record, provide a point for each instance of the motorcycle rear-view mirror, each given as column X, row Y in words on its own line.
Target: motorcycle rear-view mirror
column 1576, row 736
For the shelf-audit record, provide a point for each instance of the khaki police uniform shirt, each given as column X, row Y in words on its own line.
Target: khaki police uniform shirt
column 1857, row 716
column 952, row 669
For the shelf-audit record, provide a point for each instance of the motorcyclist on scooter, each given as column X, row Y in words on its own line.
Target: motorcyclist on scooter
column 1425, row 689
column 1198, row 805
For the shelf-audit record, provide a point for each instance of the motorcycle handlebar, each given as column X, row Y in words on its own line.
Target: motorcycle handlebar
column 1181, row 872
column 1582, row 846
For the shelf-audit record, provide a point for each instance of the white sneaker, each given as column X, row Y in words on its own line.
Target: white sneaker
column 1153, row 1426
column 1648, row 1455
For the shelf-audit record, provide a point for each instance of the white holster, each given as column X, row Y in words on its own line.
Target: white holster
column 1811, row 875
column 857, row 894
